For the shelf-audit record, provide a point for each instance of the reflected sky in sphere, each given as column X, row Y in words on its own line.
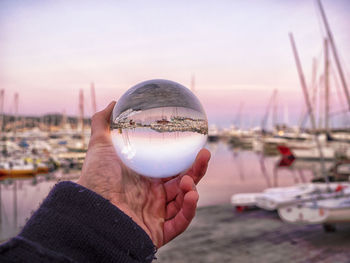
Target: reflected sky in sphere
column 158, row 128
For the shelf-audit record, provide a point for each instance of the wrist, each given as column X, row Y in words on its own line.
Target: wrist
column 86, row 219
column 136, row 218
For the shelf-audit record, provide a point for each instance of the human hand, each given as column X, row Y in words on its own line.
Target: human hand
column 163, row 208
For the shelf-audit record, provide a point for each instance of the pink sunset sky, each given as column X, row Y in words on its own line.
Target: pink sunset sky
column 238, row 51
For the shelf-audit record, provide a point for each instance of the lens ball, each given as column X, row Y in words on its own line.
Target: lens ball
column 158, row 127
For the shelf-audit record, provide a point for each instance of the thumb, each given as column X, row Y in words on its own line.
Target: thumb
column 101, row 120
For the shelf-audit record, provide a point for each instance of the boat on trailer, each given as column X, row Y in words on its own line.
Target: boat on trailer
column 270, row 197
column 278, row 197
column 330, row 209
column 273, row 198
column 244, row 199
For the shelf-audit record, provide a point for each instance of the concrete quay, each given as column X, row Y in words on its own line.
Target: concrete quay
column 220, row 234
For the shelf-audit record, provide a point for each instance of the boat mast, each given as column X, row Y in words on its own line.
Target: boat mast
column 81, row 111
column 313, row 83
column 345, row 118
column 313, row 90
column 93, row 99
column 274, row 112
column 334, row 51
column 285, row 115
column 326, row 85
column 2, row 95
column 193, row 84
column 308, row 103
column 264, row 120
column 16, row 114
column 321, row 101
column 64, row 120
column 237, row 120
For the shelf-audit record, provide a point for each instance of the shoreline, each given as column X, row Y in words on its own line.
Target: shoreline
column 221, row 234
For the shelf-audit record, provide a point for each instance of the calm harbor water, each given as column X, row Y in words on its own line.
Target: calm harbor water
column 234, row 171
column 230, row 171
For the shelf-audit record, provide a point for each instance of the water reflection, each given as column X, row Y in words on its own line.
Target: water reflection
column 19, row 197
column 230, row 171
column 234, row 170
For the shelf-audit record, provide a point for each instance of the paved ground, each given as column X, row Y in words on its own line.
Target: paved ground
column 219, row 234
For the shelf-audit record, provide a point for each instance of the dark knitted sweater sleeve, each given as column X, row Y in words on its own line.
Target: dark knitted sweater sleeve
column 74, row 224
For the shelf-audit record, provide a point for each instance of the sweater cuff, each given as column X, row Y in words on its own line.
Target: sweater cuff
column 84, row 226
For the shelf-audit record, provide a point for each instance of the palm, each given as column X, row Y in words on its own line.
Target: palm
column 162, row 207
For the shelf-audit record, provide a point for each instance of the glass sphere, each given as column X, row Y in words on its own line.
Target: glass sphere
column 158, row 127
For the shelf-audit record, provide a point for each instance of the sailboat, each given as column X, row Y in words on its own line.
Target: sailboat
column 332, row 208
column 17, row 168
column 307, row 153
column 213, row 133
column 274, row 198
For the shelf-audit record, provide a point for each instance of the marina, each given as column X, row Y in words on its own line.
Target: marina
column 231, row 171
column 263, row 85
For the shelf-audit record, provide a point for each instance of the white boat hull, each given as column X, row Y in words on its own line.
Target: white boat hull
column 315, row 213
column 247, row 199
column 314, row 154
column 274, row 198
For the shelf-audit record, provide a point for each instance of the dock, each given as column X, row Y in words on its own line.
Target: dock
column 221, row 234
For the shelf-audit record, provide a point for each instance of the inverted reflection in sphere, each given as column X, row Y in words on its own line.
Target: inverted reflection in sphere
column 158, row 127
